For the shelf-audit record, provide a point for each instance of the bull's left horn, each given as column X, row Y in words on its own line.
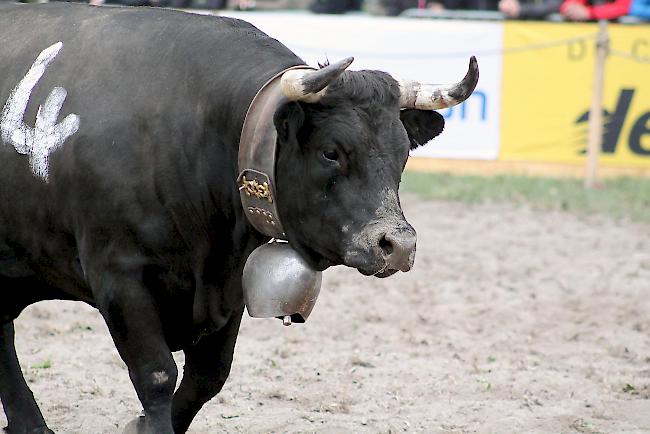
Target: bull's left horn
column 438, row 96
column 308, row 85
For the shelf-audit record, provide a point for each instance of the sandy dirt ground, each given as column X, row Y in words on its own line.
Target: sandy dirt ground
column 513, row 321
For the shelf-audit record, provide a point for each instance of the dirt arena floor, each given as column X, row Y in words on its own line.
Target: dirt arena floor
column 513, row 321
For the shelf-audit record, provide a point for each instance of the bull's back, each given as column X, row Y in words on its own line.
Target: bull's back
column 123, row 46
column 138, row 85
column 133, row 76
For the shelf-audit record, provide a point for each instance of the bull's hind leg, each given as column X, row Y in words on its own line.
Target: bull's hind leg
column 22, row 412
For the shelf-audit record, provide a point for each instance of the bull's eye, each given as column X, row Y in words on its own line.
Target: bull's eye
column 331, row 154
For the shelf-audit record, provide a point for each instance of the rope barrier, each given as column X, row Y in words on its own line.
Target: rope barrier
column 543, row 46
column 629, row 56
column 465, row 54
column 521, row 49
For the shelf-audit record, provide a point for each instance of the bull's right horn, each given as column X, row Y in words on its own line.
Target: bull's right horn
column 438, row 96
column 310, row 85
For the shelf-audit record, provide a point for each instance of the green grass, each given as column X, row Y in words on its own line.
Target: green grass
column 617, row 198
column 46, row 364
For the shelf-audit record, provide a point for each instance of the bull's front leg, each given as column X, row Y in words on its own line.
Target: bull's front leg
column 207, row 365
column 22, row 412
column 130, row 312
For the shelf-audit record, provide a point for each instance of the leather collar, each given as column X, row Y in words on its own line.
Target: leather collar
column 257, row 155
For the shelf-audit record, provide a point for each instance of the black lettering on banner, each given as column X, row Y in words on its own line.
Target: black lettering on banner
column 613, row 121
column 614, row 124
column 640, row 129
column 576, row 50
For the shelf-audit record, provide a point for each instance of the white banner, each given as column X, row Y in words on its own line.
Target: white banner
column 433, row 51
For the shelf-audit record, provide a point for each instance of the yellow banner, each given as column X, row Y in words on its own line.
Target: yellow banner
column 547, row 94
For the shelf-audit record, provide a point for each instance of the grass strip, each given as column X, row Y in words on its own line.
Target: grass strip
column 618, row 197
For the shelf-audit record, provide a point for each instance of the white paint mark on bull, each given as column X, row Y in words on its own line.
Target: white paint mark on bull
column 46, row 136
column 159, row 378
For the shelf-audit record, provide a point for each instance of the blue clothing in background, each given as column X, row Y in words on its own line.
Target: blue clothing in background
column 641, row 9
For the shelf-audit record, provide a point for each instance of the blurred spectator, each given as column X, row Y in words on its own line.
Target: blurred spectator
column 209, row 4
column 393, row 7
column 396, row 7
column 476, row 5
column 124, row 2
column 640, row 9
column 585, row 10
column 536, row 10
column 334, row 6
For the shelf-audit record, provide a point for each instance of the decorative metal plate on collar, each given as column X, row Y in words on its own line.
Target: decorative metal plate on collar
column 257, row 154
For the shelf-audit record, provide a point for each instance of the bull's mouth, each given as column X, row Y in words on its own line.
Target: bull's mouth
column 384, row 272
column 369, row 265
column 320, row 261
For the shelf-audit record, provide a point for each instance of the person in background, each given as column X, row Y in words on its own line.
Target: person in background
column 209, row 4
column 640, row 9
column 334, row 6
column 536, row 10
column 392, row 8
column 475, row 5
column 585, row 10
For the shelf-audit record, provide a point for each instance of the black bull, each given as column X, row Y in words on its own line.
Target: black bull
column 118, row 184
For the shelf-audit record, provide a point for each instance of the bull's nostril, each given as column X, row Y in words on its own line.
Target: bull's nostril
column 386, row 245
column 398, row 248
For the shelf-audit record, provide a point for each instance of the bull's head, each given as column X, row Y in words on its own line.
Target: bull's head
column 343, row 141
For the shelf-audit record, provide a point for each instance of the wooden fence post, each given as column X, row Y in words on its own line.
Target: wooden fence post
column 594, row 144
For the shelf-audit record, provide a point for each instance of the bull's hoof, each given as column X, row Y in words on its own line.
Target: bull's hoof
column 142, row 425
column 136, row 426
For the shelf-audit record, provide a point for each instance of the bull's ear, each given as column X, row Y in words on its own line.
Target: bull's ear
column 288, row 119
column 421, row 125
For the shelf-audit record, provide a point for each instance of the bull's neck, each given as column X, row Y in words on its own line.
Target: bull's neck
column 210, row 184
column 227, row 121
column 223, row 131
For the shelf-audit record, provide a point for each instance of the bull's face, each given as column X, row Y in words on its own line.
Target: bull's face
column 338, row 170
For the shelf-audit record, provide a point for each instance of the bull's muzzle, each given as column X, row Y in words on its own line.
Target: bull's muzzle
column 399, row 249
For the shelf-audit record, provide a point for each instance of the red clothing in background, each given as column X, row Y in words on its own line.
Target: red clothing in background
column 605, row 11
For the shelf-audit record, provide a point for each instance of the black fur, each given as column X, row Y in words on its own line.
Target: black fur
column 141, row 216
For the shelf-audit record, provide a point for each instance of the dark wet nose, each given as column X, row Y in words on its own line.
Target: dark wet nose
column 399, row 248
